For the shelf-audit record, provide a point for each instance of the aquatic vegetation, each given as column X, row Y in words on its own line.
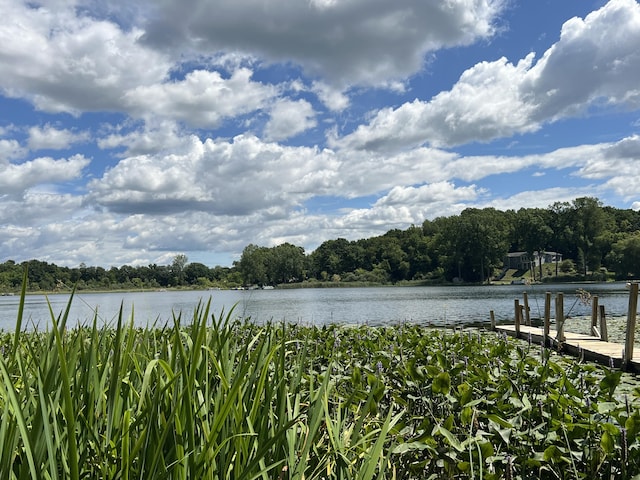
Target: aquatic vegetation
column 221, row 398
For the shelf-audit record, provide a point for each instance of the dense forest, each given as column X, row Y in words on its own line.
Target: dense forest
column 596, row 242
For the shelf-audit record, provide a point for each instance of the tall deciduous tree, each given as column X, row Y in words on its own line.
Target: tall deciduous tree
column 578, row 226
column 475, row 242
column 532, row 231
column 177, row 268
column 286, row 263
column 253, row 265
column 625, row 256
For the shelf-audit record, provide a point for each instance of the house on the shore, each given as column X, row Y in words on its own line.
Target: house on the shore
column 517, row 260
column 522, row 260
column 547, row 257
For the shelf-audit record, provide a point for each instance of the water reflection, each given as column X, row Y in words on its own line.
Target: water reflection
column 438, row 306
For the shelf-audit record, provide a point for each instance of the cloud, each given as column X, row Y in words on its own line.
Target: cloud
column 289, row 118
column 350, row 42
column 49, row 137
column 16, row 178
column 10, row 149
column 30, row 208
column 152, row 137
column 594, row 64
column 202, row 99
column 333, row 98
column 76, row 63
column 406, row 205
column 482, row 105
column 82, row 60
column 226, row 178
column 246, row 175
column 198, row 106
column 541, row 198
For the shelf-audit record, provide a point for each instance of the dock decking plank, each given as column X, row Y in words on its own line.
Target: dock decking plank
column 590, row 348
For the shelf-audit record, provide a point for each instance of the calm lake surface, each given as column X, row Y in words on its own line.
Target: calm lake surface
column 436, row 306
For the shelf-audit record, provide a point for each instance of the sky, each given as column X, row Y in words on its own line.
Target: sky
column 131, row 132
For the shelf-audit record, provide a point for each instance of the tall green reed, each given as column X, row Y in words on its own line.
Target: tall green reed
column 207, row 398
column 218, row 397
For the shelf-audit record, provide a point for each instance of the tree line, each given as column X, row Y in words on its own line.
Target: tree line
column 596, row 242
column 50, row 277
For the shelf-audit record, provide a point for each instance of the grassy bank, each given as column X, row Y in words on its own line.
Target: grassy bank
column 221, row 398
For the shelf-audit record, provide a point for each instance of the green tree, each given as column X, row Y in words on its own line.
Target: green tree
column 194, row 271
column 473, row 243
column 394, row 260
column 624, row 257
column 253, row 265
column 42, row 276
column 286, row 263
column 579, row 226
column 177, row 268
column 10, row 276
column 531, row 231
column 336, row 257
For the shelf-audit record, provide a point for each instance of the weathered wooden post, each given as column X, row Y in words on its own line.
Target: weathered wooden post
column 604, row 335
column 594, row 317
column 517, row 318
column 527, row 316
column 547, row 316
column 560, row 317
column 631, row 324
column 493, row 320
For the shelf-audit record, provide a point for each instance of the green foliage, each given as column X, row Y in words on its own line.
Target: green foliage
column 271, row 266
column 624, row 256
column 214, row 398
column 470, row 246
column 567, row 266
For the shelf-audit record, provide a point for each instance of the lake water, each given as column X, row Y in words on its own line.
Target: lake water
column 434, row 305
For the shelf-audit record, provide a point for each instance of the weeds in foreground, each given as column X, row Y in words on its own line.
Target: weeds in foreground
column 222, row 398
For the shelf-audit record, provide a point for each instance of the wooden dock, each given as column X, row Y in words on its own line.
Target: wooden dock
column 582, row 346
column 594, row 347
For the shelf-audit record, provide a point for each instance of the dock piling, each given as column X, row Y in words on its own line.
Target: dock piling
column 547, row 317
column 527, row 315
column 631, row 323
column 604, row 335
column 594, row 317
column 560, row 317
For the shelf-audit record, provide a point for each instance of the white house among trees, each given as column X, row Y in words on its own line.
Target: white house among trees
column 522, row 260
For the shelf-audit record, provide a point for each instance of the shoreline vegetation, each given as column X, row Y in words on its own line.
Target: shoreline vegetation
column 299, row 285
column 568, row 241
column 221, row 398
column 510, row 278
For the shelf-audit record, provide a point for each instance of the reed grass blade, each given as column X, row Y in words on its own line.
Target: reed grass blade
column 23, row 295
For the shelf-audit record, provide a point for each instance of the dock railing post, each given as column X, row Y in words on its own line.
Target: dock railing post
column 547, row 316
column 631, row 324
column 517, row 317
column 492, row 315
column 560, row 317
column 527, row 316
column 604, row 335
column 594, row 317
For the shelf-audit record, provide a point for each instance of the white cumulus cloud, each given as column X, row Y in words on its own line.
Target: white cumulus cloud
column 289, row 118
column 595, row 62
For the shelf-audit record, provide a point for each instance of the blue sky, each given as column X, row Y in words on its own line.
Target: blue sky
column 131, row 132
